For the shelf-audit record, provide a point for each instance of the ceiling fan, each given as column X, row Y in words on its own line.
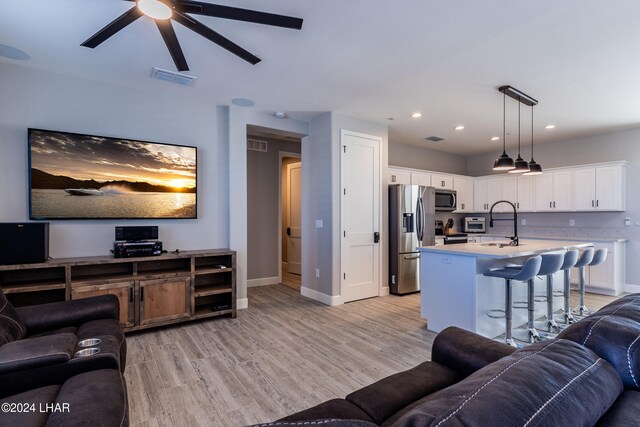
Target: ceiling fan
column 163, row 11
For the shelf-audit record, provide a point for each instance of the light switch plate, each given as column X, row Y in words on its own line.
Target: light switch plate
column 318, row 223
column 627, row 220
column 572, row 222
column 317, row 272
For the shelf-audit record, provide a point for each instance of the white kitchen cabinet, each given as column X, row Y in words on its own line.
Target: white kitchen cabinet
column 421, row 178
column 464, row 194
column 526, row 193
column 495, row 193
column 510, row 190
column 480, row 203
column 600, row 188
column 442, row 181
column 399, row 176
column 553, row 191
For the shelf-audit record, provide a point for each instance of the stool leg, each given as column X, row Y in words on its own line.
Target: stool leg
column 532, row 332
column 552, row 326
column 582, row 309
column 568, row 317
column 508, row 311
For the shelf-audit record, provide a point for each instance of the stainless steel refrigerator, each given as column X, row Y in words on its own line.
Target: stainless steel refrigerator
column 411, row 224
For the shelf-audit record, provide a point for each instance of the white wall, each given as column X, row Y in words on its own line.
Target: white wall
column 44, row 100
column 412, row 156
column 321, row 200
column 622, row 145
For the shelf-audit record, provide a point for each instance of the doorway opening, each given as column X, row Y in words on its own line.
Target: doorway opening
column 274, row 232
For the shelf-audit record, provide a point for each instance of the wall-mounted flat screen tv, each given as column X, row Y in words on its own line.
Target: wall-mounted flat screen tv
column 76, row 176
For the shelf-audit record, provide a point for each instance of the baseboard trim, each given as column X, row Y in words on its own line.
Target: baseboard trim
column 384, row 291
column 263, row 281
column 242, row 303
column 319, row 296
column 633, row 289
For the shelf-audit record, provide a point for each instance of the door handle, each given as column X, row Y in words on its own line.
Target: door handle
column 130, row 294
column 408, row 258
column 288, row 231
column 376, row 237
column 593, row 205
column 141, row 294
column 554, row 204
column 597, row 203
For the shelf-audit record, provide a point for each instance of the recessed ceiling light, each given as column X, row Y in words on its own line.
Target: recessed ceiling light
column 243, row 102
column 416, row 115
column 459, row 127
column 495, row 138
column 13, row 53
column 550, row 127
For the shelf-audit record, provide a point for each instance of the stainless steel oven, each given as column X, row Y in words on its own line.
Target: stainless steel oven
column 474, row 224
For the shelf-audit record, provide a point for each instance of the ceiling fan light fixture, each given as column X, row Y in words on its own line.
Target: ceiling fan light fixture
column 155, row 9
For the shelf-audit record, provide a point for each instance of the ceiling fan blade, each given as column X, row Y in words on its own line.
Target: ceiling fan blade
column 215, row 37
column 110, row 29
column 171, row 40
column 237, row 14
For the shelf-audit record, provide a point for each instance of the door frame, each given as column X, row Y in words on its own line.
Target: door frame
column 281, row 156
column 378, row 140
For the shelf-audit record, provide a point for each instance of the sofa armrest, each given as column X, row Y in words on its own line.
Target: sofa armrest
column 56, row 315
column 32, row 353
column 466, row 352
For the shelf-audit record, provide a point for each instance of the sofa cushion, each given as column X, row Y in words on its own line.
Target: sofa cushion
column 625, row 412
column 614, row 334
column 331, row 409
column 384, row 398
column 320, row 423
column 11, row 327
column 553, row 383
column 31, row 415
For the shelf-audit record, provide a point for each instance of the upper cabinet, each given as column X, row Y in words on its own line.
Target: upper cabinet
column 464, row 194
column 442, row 181
column 421, row 178
column 399, row 176
column 599, row 188
column 553, row 191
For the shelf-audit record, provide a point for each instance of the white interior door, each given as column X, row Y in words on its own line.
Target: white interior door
column 294, row 228
column 360, row 216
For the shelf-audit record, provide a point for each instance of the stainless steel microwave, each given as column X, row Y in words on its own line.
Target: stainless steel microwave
column 445, row 200
column 474, row 224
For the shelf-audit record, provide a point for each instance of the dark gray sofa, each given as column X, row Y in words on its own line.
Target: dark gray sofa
column 41, row 368
column 588, row 376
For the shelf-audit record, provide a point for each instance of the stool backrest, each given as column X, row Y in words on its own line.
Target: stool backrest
column 529, row 269
column 570, row 259
column 585, row 258
column 550, row 263
column 599, row 256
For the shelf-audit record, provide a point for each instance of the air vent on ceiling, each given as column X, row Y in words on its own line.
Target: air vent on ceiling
column 256, row 145
column 171, row 76
column 434, row 138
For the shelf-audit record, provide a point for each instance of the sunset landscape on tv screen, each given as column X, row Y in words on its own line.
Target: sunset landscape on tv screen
column 77, row 176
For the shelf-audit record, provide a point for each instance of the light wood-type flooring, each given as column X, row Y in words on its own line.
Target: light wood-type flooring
column 283, row 354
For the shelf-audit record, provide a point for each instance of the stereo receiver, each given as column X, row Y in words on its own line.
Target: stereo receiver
column 136, row 249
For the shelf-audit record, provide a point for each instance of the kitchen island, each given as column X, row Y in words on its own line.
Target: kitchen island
column 455, row 292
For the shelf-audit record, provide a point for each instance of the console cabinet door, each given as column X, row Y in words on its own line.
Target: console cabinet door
column 123, row 290
column 164, row 299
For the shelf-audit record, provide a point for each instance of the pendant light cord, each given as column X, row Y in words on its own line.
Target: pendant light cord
column 532, row 132
column 504, row 123
column 519, row 121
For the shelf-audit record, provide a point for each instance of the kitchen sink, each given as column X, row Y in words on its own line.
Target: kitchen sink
column 499, row 244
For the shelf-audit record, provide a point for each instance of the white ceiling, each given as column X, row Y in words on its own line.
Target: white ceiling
column 375, row 59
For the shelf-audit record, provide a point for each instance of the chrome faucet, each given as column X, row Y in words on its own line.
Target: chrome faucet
column 514, row 238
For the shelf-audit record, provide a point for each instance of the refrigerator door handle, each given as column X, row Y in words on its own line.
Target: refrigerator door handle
column 419, row 219
column 411, row 257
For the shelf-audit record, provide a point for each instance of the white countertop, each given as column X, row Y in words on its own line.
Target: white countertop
column 527, row 247
column 539, row 237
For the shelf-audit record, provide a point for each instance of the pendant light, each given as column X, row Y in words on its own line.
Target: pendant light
column 504, row 162
column 534, row 167
column 520, row 163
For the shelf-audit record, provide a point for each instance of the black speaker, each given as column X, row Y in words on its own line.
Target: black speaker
column 137, row 233
column 24, row 242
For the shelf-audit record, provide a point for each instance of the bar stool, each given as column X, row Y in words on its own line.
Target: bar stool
column 570, row 260
column 524, row 274
column 598, row 258
column 584, row 259
column 551, row 264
